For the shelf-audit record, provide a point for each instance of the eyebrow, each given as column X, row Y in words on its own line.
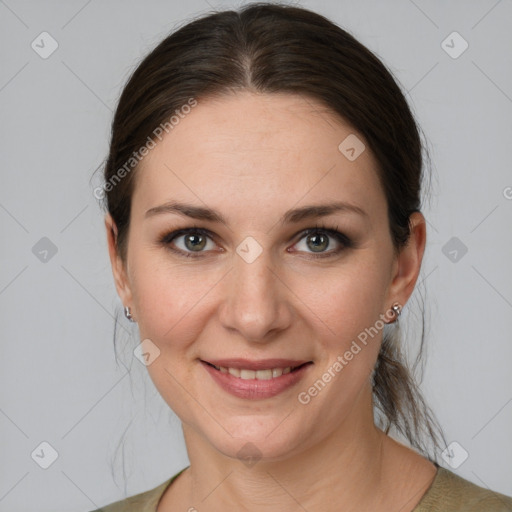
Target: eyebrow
column 291, row 216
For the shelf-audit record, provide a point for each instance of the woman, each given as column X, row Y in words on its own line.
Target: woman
column 264, row 227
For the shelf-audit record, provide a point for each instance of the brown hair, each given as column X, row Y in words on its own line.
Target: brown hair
column 272, row 48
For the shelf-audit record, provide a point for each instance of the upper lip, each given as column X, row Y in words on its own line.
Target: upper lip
column 261, row 364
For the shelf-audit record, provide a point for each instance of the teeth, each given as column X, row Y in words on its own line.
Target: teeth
column 263, row 374
column 234, row 371
column 271, row 373
column 247, row 374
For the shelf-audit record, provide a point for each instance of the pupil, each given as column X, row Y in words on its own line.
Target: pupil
column 194, row 242
column 320, row 242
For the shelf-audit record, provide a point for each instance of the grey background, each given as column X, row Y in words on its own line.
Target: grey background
column 59, row 379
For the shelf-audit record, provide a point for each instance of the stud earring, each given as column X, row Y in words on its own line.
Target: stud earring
column 397, row 309
column 128, row 314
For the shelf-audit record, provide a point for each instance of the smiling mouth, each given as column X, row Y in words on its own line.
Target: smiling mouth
column 263, row 374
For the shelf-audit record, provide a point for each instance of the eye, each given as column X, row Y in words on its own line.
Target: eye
column 195, row 242
column 188, row 241
column 317, row 240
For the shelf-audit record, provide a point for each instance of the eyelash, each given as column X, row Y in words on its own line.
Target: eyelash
column 345, row 241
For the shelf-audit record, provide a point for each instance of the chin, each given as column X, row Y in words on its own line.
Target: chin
column 253, row 440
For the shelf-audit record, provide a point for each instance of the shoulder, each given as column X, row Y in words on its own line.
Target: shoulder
column 450, row 492
column 144, row 502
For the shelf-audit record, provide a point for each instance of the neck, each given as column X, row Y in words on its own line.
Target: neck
column 341, row 472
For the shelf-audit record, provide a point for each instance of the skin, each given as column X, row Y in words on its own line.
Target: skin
column 253, row 157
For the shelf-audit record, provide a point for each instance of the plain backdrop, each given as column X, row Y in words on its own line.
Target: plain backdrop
column 60, row 383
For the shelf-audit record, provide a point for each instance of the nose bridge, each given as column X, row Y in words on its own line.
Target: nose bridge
column 254, row 302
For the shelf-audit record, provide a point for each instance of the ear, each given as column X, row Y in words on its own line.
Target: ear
column 118, row 266
column 408, row 262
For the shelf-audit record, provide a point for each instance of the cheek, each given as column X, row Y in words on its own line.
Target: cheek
column 172, row 304
column 350, row 328
column 167, row 297
column 345, row 305
column 347, row 299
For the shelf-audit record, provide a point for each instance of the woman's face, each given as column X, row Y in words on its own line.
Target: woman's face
column 257, row 286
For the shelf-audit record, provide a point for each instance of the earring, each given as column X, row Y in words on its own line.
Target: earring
column 128, row 314
column 397, row 309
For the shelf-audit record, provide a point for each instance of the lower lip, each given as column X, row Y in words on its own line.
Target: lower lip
column 253, row 388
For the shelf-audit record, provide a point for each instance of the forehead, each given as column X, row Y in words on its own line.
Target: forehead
column 259, row 150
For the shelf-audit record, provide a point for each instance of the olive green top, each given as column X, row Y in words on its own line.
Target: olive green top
column 447, row 493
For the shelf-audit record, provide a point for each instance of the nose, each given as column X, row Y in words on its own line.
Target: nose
column 255, row 300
